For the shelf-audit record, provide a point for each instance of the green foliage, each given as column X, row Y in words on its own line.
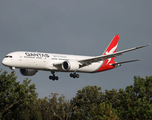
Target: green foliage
column 111, row 97
column 13, row 94
column 135, row 101
column 39, row 109
column 84, row 99
column 60, row 107
column 103, row 111
column 132, row 103
column 19, row 101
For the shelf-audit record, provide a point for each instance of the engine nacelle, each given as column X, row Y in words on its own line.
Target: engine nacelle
column 70, row 65
column 28, row 72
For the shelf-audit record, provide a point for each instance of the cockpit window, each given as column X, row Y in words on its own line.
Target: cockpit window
column 8, row 56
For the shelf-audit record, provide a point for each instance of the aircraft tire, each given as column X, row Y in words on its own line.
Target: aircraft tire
column 77, row 75
column 13, row 72
column 74, row 75
column 50, row 77
column 56, row 77
column 53, row 77
column 71, row 75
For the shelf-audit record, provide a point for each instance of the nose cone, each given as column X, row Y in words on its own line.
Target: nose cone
column 4, row 62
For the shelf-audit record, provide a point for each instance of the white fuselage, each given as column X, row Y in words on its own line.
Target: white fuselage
column 30, row 62
column 46, row 61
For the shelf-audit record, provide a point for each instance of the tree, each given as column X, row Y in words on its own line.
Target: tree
column 84, row 99
column 135, row 101
column 39, row 109
column 103, row 111
column 60, row 107
column 14, row 95
column 19, row 101
column 132, row 103
column 111, row 97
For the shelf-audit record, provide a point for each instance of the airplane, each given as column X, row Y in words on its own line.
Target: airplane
column 30, row 62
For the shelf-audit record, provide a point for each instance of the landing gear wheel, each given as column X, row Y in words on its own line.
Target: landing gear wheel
column 71, row 75
column 50, row 77
column 53, row 77
column 77, row 75
column 13, row 72
column 74, row 75
column 56, row 77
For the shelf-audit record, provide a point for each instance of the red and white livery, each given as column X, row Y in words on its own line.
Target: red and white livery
column 30, row 62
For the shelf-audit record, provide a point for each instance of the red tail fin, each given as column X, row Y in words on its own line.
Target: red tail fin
column 112, row 47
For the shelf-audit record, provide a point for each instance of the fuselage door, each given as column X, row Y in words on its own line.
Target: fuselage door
column 20, row 57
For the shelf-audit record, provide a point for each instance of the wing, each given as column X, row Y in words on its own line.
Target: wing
column 86, row 62
column 103, row 57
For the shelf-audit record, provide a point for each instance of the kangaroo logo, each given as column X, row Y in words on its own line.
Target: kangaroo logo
column 110, row 52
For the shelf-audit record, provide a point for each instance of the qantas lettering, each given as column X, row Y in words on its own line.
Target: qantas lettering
column 36, row 54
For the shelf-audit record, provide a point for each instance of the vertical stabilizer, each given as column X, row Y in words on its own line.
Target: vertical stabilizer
column 112, row 48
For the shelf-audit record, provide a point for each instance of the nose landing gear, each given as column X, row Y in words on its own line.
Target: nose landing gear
column 12, row 68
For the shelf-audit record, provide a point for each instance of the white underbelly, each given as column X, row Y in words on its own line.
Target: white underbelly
column 91, row 68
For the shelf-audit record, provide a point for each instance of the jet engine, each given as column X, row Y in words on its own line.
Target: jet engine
column 70, row 65
column 28, row 72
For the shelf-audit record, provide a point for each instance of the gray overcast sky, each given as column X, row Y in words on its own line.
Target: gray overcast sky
column 83, row 27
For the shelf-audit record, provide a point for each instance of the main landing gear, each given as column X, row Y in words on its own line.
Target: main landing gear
column 53, row 77
column 74, row 75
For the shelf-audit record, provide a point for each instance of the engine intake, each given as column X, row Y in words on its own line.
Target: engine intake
column 70, row 65
column 28, row 72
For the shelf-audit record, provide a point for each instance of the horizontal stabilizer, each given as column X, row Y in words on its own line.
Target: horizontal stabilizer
column 126, row 62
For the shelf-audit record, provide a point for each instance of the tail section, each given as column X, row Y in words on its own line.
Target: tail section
column 112, row 48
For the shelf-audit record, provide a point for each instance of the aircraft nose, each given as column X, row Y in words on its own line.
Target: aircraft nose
column 4, row 62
